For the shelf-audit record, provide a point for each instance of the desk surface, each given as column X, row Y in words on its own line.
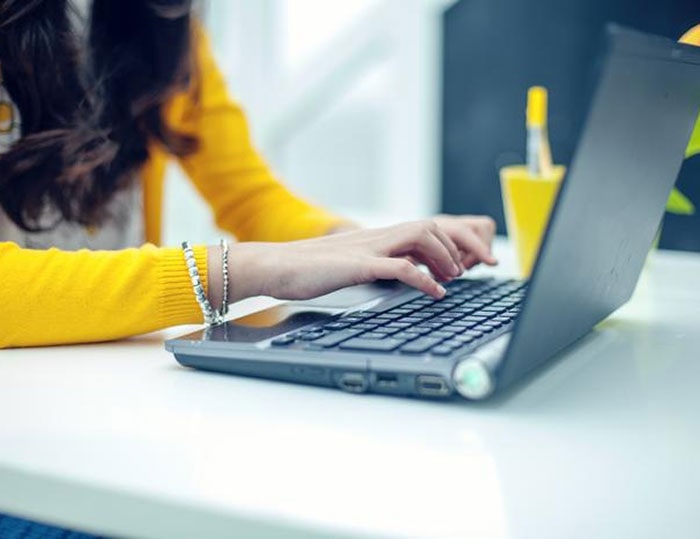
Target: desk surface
column 118, row 438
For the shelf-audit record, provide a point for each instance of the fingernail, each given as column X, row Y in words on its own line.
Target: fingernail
column 455, row 269
column 441, row 291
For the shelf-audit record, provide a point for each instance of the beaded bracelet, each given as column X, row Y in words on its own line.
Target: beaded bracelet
column 212, row 317
column 224, row 271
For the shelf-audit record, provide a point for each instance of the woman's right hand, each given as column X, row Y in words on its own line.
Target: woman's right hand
column 310, row 268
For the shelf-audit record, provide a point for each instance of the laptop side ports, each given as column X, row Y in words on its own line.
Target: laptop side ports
column 353, row 382
column 432, row 385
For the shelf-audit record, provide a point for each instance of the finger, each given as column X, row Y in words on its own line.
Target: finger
column 469, row 260
column 469, row 242
column 451, row 247
column 485, row 227
column 437, row 256
column 421, row 242
column 402, row 270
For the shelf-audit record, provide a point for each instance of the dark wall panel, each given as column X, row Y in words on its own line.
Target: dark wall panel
column 495, row 50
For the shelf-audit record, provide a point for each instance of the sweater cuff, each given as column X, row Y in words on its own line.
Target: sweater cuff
column 177, row 300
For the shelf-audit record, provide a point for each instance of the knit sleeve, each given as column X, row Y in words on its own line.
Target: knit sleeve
column 59, row 297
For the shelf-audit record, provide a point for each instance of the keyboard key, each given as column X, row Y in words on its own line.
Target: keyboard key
column 372, row 335
column 451, row 315
column 420, row 345
column 336, row 337
column 417, row 317
column 414, row 319
column 463, row 324
column 386, row 317
column 441, row 350
column 492, row 324
column 442, row 320
column 441, row 334
column 475, row 318
column 370, row 345
column 418, row 331
column 283, row 341
column 504, row 304
column 408, row 336
column 430, row 325
column 312, row 335
column 336, row 325
column 365, row 314
column 386, row 330
column 398, row 325
column 364, row 326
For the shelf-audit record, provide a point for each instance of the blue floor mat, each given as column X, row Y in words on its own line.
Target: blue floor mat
column 18, row 528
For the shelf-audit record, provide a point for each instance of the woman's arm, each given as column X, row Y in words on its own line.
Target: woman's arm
column 58, row 297
column 246, row 198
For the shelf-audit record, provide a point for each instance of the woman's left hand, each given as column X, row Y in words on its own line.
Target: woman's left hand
column 473, row 236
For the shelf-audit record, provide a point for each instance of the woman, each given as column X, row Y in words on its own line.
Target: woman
column 89, row 115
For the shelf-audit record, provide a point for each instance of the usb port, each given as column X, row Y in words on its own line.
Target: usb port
column 386, row 380
column 432, row 385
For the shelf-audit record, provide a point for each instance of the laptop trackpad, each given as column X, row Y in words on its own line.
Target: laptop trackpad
column 354, row 296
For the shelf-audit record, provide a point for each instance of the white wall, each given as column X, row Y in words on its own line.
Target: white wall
column 342, row 97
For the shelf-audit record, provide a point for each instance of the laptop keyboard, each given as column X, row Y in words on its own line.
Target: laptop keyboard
column 472, row 312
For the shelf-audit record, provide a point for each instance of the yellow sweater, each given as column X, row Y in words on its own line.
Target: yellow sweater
column 56, row 297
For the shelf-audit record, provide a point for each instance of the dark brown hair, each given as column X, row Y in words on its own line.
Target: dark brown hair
column 88, row 116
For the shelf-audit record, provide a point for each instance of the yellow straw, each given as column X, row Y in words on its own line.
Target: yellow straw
column 539, row 152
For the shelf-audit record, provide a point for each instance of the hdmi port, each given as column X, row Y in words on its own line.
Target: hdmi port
column 432, row 385
column 353, row 382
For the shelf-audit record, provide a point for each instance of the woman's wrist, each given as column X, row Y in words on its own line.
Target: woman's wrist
column 244, row 281
column 345, row 226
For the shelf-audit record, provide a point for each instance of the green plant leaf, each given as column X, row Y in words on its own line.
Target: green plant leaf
column 679, row 204
column 694, row 146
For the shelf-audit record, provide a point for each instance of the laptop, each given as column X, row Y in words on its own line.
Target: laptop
column 488, row 334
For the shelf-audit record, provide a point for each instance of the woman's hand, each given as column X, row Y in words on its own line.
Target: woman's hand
column 473, row 235
column 309, row 268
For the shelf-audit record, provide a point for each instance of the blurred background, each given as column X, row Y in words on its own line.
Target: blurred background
column 386, row 110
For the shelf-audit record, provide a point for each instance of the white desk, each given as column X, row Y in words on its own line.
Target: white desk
column 117, row 438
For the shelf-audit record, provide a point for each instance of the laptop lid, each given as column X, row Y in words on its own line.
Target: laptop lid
column 611, row 203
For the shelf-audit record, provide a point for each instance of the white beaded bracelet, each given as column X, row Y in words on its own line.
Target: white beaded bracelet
column 224, row 271
column 212, row 317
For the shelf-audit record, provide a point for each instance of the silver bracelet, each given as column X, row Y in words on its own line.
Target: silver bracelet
column 224, row 270
column 212, row 317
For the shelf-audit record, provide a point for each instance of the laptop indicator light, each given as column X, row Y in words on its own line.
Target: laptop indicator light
column 472, row 380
